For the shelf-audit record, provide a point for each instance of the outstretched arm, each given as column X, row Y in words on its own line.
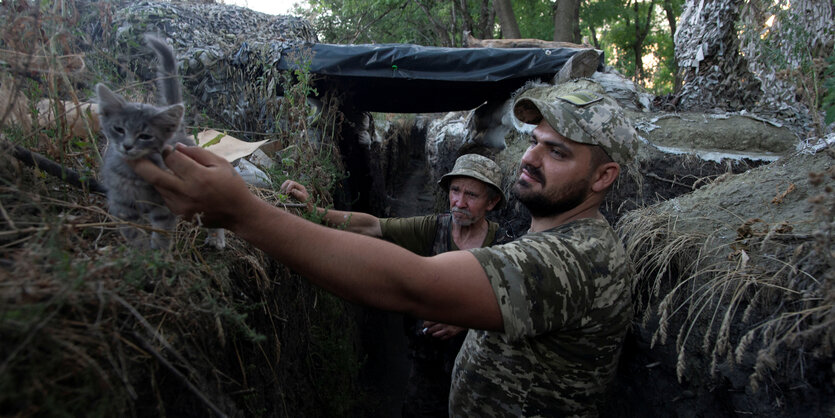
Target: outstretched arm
column 450, row 287
column 359, row 222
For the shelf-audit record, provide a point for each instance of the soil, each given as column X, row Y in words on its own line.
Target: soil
column 386, row 371
column 726, row 132
column 400, row 187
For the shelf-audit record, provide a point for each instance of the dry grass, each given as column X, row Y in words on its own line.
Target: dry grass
column 762, row 303
column 90, row 327
column 82, row 315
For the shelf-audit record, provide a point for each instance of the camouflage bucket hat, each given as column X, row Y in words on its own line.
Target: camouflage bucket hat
column 479, row 168
column 582, row 116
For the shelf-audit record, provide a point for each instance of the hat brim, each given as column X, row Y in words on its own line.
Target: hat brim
column 446, row 178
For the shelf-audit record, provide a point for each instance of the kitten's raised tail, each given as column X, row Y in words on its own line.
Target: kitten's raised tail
column 167, row 81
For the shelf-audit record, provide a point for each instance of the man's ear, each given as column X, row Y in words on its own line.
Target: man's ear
column 492, row 204
column 604, row 176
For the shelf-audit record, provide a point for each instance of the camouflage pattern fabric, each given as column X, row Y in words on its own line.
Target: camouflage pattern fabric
column 582, row 116
column 566, row 301
column 478, row 167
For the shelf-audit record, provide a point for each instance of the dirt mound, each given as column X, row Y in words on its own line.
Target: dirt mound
column 736, row 288
column 744, row 133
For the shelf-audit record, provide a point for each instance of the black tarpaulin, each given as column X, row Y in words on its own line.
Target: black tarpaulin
column 402, row 78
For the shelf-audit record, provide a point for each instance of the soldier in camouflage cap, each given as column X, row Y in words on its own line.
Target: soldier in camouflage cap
column 480, row 168
column 547, row 313
column 582, row 116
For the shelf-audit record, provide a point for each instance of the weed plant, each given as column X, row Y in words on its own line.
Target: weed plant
column 828, row 103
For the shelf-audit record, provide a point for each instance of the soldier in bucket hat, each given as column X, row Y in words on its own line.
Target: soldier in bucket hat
column 547, row 312
column 474, row 188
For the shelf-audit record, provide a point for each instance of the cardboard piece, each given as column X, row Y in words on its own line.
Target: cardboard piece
column 19, row 113
column 228, row 147
column 76, row 118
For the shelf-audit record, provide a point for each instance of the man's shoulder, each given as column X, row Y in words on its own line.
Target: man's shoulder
column 408, row 221
column 583, row 227
column 582, row 235
column 415, row 233
column 577, row 232
column 578, row 245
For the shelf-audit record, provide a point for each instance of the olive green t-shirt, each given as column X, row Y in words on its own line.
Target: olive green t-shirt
column 566, row 301
column 417, row 234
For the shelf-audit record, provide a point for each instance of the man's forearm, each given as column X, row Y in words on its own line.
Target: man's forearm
column 340, row 262
column 360, row 223
column 374, row 272
column 450, row 287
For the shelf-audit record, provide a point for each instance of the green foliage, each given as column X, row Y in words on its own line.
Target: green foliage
column 308, row 153
column 535, row 18
column 429, row 22
column 333, row 356
column 83, row 315
column 828, row 102
column 616, row 24
column 662, row 79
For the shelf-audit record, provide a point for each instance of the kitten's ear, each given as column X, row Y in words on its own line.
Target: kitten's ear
column 108, row 100
column 169, row 118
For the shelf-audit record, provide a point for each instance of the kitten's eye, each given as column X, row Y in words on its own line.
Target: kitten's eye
column 145, row 137
column 119, row 130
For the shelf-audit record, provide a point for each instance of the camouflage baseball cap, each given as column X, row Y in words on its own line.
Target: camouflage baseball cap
column 582, row 116
column 478, row 167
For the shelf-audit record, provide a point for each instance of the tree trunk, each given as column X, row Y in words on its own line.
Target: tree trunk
column 488, row 17
column 479, row 27
column 438, row 27
column 641, row 33
column 510, row 29
column 671, row 20
column 567, row 21
column 594, row 41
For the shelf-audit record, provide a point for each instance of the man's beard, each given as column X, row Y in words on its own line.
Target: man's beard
column 540, row 205
column 469, row 220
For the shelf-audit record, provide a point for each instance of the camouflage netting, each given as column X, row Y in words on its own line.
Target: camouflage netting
column 730, row 59
column 227, row 55
column 800, row 36
column 714, row 73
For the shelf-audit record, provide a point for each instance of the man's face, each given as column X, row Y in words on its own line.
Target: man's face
column 554, row 173
column 469, row 200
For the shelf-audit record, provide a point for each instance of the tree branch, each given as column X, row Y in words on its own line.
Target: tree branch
column 33, row 159
column 438, row 27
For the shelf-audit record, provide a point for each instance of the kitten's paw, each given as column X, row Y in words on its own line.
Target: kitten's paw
column 216, row 238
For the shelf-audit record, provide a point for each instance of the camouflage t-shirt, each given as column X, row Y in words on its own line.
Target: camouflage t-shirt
column 566, row 301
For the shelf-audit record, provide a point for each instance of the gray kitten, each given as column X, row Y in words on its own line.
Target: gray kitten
column 138, row 130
